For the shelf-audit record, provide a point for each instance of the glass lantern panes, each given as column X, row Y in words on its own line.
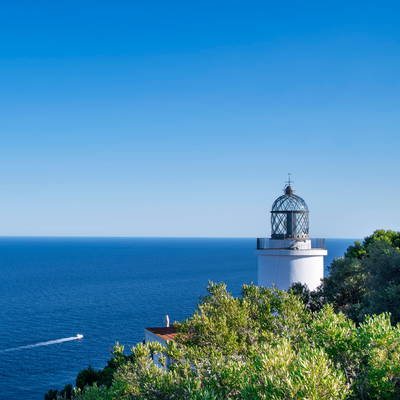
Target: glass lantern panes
column 289, row 217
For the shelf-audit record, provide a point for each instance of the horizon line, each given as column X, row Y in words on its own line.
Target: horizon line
column 151, row 237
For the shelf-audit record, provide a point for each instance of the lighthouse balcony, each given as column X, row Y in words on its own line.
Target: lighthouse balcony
column 290, row 244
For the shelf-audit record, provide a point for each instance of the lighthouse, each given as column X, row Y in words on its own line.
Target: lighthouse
column 290, row 256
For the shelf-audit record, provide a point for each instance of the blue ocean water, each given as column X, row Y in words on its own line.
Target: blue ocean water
column 108, row 290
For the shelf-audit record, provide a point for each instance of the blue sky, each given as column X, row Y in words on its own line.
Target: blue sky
column 184, row 118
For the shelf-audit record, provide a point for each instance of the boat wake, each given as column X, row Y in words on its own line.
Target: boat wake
column 50, row 342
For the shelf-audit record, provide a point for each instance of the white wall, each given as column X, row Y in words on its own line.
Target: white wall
column 151, row 337
column 284, row 267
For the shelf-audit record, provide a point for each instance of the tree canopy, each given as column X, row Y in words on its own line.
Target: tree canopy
column 367, row 279
column 264, row 345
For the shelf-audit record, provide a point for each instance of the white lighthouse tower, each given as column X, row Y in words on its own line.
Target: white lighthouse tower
column 290, row 256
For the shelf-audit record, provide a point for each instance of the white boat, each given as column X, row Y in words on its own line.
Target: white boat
column 79, row 336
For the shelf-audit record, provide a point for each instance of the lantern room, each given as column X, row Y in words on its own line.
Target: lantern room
column 289, row 216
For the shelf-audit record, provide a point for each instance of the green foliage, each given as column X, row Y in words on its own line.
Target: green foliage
column 95, row 393
column 383, row 286
column 87, row 377
column 367, row 280
column 379, row 356
column 90, row 377
column 390, row 237
column 312, row 299
column 368, row 354
column 51, row 395
column 346, row 286
column 358, row 251
column 67, row 392
column 104, row 377
column 264, row 345
column 253, row 347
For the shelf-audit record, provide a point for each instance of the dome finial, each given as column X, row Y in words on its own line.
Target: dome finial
column 288, row 190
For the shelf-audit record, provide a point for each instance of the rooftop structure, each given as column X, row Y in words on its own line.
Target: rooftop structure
column 164, row 333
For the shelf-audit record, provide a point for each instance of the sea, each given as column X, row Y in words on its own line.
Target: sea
column 108, row 290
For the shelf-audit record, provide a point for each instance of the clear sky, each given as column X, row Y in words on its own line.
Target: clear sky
column 182, row 118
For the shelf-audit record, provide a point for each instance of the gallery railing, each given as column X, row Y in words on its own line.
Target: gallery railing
column 266, row 243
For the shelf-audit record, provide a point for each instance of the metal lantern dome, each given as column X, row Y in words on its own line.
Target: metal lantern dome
column 289, row 216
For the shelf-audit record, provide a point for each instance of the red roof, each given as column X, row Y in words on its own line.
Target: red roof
column 166, row 333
